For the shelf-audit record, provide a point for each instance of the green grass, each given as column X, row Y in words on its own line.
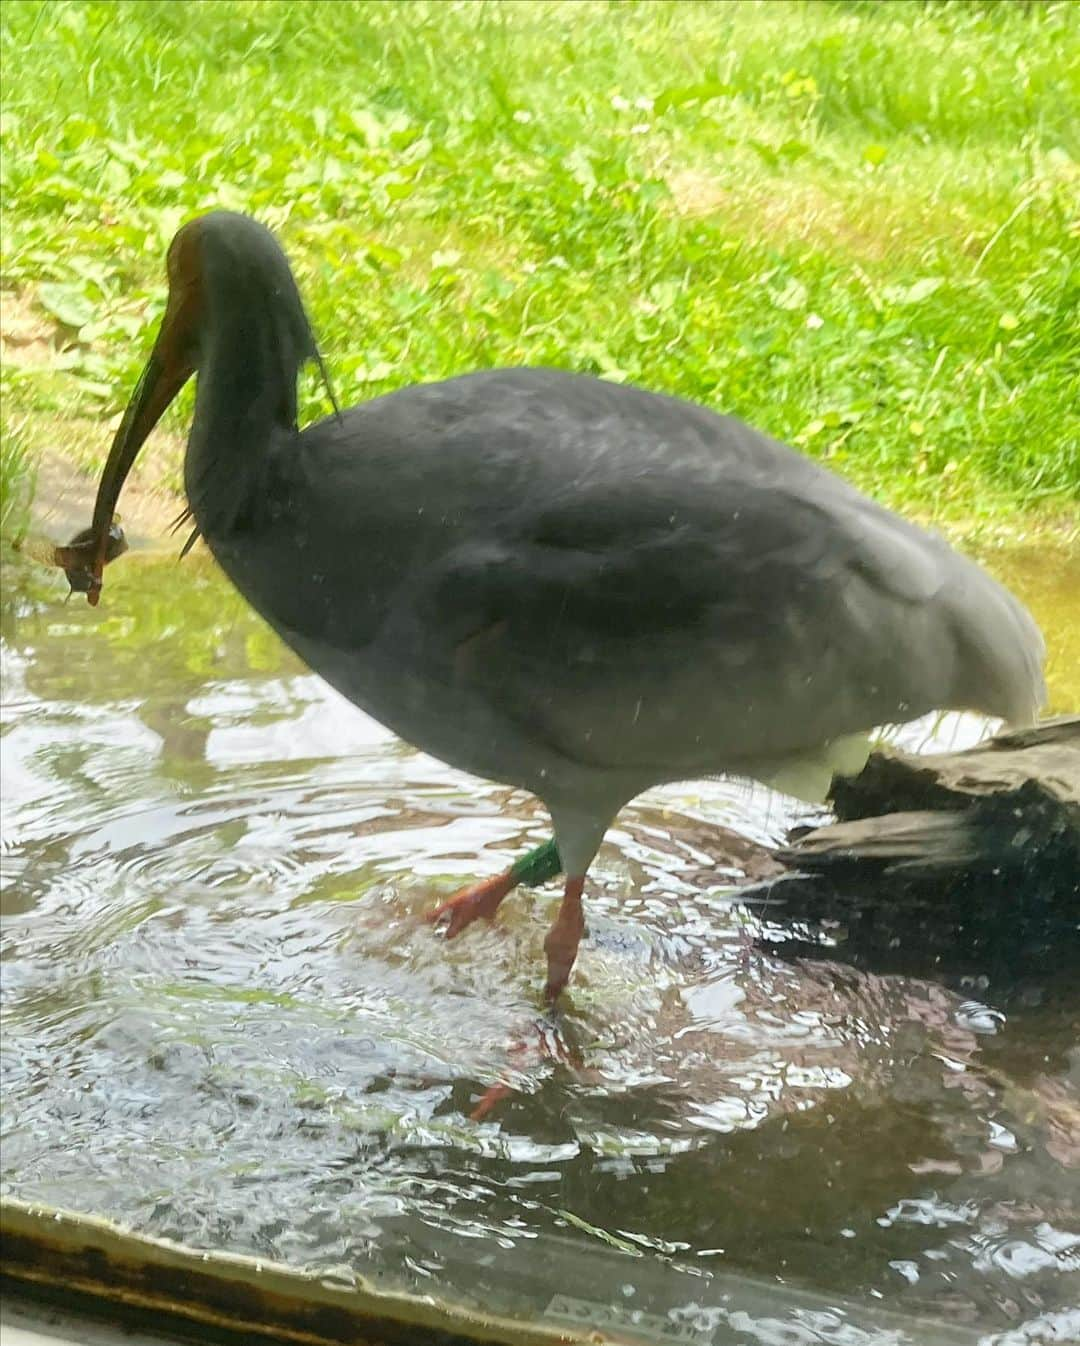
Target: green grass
column 17, row 472
column 853, row 224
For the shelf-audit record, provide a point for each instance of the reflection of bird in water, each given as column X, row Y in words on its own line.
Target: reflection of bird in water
column 573, row 587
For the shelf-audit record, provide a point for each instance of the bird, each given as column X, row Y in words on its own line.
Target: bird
column 574, row 587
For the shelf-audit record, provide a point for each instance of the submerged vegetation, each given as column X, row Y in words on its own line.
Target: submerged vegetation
column 852, row 224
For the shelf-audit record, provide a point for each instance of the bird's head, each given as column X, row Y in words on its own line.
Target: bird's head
column 228, row 278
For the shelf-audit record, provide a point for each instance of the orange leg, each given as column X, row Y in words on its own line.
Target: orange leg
column 550, row 1046
column 482, row 899
column 561, row 944
column 491, row 1099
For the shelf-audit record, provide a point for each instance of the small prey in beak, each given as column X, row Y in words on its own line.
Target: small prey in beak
column 77, row 557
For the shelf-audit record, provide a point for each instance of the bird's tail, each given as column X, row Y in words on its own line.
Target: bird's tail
column 809, row 776
column 1000, row 650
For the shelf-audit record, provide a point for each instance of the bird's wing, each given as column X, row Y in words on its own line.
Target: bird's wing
column 656, row 630
column 626, row 580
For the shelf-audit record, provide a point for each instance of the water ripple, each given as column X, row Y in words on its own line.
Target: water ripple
column 227, row 1021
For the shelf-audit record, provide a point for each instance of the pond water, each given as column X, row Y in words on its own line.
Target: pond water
column 226, row 1021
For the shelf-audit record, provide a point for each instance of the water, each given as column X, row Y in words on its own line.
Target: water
column 226, row 1021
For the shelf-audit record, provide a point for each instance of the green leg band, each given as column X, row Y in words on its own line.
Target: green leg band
column 538, row 866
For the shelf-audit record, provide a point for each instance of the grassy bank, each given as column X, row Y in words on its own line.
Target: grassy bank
column 853, row 224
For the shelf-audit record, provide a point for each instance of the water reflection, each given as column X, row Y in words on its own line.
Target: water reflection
column 226, row 1021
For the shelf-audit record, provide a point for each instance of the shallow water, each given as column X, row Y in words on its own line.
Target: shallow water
column 227, row 1023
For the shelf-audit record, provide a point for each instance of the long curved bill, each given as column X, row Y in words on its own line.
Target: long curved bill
column 167, row 370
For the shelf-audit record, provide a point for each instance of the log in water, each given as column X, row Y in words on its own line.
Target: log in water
column 1009, row 806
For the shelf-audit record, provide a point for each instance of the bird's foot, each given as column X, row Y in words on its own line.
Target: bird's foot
column 559, row 968
column 482, row 899
column 561, row 943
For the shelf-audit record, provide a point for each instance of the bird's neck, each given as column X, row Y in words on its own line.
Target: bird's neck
column 244, row 428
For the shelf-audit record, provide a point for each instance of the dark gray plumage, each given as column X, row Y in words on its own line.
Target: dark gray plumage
column 575, row 587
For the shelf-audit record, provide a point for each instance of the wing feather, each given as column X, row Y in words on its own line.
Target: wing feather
column 669, row 635
column 528, row 558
